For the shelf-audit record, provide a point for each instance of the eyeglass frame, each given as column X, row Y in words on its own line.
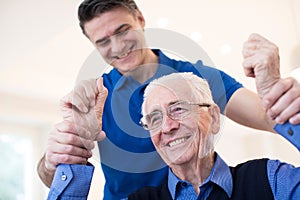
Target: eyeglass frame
column 145, row 126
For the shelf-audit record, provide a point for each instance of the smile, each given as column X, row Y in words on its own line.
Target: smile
column 177, row 141
column 125, row 54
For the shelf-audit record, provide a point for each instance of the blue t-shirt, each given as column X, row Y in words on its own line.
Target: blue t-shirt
column 128, row 158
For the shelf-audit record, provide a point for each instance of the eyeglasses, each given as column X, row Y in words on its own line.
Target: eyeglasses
column 176, row 111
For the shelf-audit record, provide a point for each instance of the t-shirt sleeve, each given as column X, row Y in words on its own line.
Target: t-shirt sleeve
column 221, row 84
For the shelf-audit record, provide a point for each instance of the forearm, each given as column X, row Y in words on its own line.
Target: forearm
column 245, row 108
column 45, row 175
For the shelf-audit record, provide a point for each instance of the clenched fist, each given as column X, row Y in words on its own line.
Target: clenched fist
column 262, row 62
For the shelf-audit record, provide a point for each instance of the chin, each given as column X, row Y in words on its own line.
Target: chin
column 172, row 160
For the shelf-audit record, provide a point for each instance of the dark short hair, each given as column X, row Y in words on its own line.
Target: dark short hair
column 90, row 9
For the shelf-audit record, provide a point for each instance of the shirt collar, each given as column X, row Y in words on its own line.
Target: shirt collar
column 219, row 175
column 172, row 183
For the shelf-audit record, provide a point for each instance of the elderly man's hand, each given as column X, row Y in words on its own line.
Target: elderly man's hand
column 72, row 140
column 261, row 61
column 84, row 106
column 280, row 96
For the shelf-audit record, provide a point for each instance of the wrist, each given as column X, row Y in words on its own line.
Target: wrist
column 45, row 174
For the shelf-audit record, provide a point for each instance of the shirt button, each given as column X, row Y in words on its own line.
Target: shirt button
column 64, row 177
column 290, row 132
column 184, row 184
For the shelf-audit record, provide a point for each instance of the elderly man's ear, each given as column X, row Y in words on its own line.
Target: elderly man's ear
column 215, row 118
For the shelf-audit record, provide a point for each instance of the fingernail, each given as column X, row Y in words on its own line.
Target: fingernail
column 292, row 120
column 266, row 103
column 279, row 120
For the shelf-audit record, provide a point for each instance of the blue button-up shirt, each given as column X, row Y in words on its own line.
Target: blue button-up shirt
column 284, row 180
column 73, row 181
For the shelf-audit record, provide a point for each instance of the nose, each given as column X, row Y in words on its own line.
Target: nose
column 117, row 44
column 169, row 125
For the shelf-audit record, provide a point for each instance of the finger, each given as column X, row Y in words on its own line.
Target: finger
column 295, row 119
column 250, row 48
column 248, row 67
column 87, row 124
column 254, row 65
column 87, row 90
column 257, row 38
column 276, row 92
column 73, row 134
column 82, row 97
column 101, row 136
column 290, row 113
column 73, row 101
column 100, row 101
column 265, row 49
column 71, row 140
column 55, row 159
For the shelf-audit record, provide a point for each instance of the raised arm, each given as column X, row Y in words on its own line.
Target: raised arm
column 261, row 61
column 71, row 141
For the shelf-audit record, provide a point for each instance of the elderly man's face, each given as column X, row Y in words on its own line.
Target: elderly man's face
column 186, row 140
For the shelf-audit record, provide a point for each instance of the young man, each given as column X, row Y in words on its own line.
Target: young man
column 183, row 120
column 128, row 157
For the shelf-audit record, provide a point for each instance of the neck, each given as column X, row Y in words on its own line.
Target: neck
column 147, row 69
column 195, row 172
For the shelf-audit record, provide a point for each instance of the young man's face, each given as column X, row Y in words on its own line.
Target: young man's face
column 118, row 36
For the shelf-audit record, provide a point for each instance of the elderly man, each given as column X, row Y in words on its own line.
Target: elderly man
column 183, row 120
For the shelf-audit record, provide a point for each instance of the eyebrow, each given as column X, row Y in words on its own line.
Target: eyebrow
column 116, row 31
column 159, row 109
column 173, row 102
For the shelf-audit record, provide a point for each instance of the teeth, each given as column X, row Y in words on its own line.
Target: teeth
column 123, row 55
column 176, row 142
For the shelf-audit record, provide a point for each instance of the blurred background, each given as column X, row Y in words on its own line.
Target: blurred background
column 43, row 50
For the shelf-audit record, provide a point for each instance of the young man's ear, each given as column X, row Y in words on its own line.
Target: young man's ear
column 140, row 18
column 215, row 118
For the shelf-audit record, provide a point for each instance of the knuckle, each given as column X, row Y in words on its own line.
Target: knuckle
column 297, row 102
column 65, row 159
column 281, row 84
column 68, row 149
column 274, row 111
column 70, row 139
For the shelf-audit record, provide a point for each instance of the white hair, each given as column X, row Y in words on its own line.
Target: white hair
column 199, row 88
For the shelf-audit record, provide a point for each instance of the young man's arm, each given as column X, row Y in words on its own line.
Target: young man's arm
column 245, row 108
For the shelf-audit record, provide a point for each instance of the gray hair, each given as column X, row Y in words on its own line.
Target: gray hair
column 199, row 88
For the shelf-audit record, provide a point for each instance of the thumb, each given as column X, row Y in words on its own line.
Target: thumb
column 100, row 136
column 100, row 100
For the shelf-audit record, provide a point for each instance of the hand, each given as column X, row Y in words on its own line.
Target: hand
column 68, row 144
column 84, row 105
column 282, row 102
column 262, row 62
column 72, row 140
